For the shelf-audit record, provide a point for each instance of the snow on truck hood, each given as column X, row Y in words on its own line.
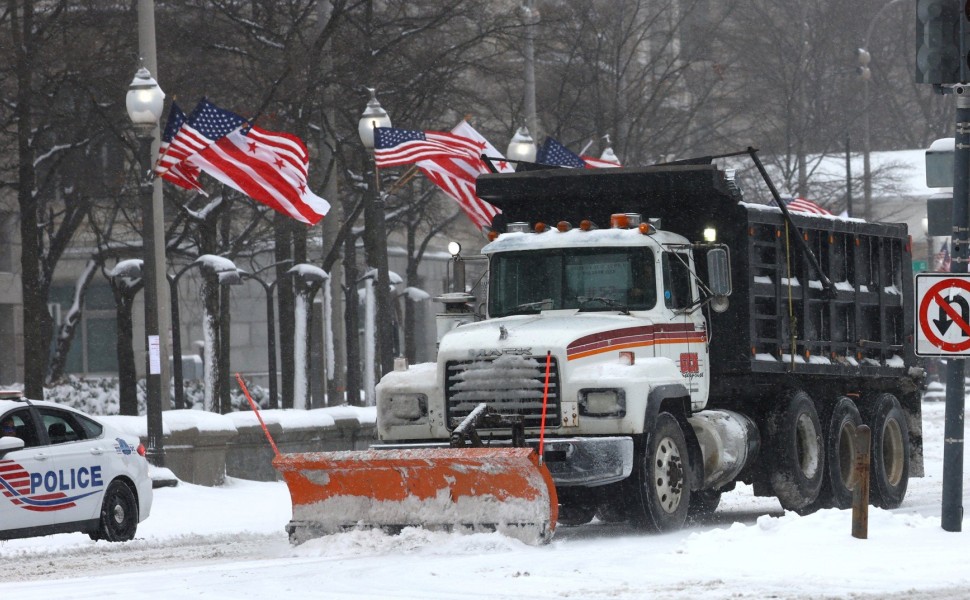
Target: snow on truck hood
column 534, row 334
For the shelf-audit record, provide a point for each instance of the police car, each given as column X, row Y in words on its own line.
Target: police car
column 62, row 471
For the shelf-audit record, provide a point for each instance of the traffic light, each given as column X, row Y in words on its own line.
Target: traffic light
column 939, row 53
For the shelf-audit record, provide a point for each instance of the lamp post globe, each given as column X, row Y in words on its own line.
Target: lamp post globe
column 374, row 116
column 144, row 99
column 522, row 147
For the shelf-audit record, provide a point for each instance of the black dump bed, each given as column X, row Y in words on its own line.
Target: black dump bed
column 863, row 328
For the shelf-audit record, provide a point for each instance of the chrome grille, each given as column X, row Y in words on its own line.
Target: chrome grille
column 510, row 384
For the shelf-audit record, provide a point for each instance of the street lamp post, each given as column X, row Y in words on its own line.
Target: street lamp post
column 311, row 278
column 226, row 277
column 375, row 116
column 144, row 104
column 270, row 334
column 173, row 281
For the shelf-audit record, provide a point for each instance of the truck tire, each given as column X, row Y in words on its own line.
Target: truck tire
column 664, row 491
column 796, row 454
column 889, row 463
column 840, row 453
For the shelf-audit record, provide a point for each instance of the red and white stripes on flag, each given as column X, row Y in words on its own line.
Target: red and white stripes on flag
column 171, row 166
column 806, row 206
column 607, row 160
column 268, row 167
column 395, row 147
column 456, row 175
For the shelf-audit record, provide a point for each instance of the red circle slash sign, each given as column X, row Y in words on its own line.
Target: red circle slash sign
column 949, row 315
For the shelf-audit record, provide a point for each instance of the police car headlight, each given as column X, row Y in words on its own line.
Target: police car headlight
column 405, row 409
column 602, row 403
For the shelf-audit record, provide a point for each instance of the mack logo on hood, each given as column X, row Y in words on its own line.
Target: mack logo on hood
column 484, row 353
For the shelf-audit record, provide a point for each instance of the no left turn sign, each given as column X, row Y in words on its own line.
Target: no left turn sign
column 942, row 314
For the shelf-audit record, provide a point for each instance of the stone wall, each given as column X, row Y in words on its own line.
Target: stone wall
column 203, row 448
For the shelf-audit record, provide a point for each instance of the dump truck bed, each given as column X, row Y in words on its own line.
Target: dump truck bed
column 860, row 329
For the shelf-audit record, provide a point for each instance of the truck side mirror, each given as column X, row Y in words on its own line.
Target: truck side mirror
column 719, row 277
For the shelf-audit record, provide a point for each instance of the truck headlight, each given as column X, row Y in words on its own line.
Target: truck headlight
column 602, row 403
column 405, row 409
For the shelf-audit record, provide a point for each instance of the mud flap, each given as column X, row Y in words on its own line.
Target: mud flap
column 454, row 489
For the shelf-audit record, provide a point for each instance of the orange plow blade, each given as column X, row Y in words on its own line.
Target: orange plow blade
column 459, row 489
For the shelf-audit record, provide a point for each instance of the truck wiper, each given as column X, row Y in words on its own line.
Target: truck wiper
column 606, row 301
column 537, row 305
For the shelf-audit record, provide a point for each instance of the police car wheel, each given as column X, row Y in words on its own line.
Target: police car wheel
column 119, row 514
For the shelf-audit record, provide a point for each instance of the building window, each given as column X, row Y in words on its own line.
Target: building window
column 7, row 238
column 94, row 349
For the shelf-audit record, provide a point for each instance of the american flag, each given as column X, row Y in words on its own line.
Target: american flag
column 395, row 147
column 206, row 124
column 456, row 176
column 805, row 206
column 169, row 167
column 554, row 153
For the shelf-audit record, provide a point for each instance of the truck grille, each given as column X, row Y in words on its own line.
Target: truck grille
column 510, row 384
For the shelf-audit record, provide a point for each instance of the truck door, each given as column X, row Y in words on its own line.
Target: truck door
column 683, row 337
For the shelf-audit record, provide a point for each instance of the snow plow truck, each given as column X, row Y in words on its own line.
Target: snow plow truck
column 647, row 340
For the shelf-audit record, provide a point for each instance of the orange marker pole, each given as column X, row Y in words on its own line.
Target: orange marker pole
column 545, row 404
column 255, row 408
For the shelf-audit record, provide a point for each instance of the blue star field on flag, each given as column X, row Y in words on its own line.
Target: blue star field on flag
column 554, row 153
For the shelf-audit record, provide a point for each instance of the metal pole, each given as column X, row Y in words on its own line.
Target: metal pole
column 531, row 18
column 866, row 167
column 153, row 235
column 271, row 344
column 369, row 336
column 848, row 175
column 176, row 344
column 953, row 426
column 382, row 293
column 153, row 372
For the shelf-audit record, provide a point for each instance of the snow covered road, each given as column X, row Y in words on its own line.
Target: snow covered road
column 228, row 542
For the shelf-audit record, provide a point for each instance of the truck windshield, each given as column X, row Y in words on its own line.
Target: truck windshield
column 590, row 279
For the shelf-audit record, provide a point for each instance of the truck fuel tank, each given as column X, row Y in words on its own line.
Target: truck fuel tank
column 728, row 440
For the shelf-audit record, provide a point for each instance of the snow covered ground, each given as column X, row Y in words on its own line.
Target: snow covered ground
column 228, row 542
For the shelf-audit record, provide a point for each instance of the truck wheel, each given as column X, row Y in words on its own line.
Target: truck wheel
column 795, row 451
column 840, row 450
column 889, row 466
column 662, row 477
